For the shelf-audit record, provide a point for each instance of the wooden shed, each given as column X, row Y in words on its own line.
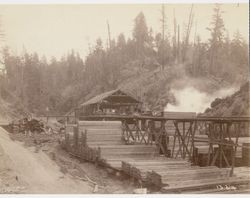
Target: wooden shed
column 115, row 102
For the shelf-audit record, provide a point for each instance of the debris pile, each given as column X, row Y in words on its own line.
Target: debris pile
column 34, row 126
column 36, row 133
column 26, row 126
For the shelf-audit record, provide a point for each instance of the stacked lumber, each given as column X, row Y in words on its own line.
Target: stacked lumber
column 104, row 141
column 138, row 169
column 221, row 190
column 99, row 133
column 100, row 141
column 242, row 153
column 113, row 156
column 242, row 172
column 174, row 177
column 205, row 184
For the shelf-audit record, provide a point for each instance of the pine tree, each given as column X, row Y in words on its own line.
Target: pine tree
column 216, row 41
column 140, row 34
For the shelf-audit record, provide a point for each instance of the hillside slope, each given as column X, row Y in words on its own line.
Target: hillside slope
column 237, row 104
column 11, row 107
column 152, row 85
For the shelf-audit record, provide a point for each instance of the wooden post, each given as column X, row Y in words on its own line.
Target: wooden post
column 220, row 146
column 237, row 134
column 75, row 145
column 123, row 130
column 182, row 142
column 183, row 135
column 67, row 142
column 163, row 142
column 210, row 144
column 98, row 154
column 175, row 133
column 85, row 137
column 193, row 130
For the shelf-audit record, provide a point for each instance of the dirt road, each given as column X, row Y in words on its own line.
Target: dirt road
column 36, row 171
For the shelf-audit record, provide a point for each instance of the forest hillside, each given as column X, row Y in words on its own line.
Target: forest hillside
column 153, row 66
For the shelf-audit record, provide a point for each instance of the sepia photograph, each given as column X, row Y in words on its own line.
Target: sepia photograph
column 121, row 98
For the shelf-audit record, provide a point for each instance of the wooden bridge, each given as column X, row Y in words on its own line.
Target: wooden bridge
column 163, row 152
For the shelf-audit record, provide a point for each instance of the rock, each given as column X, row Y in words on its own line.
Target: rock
column 73, row 172
column 20, row 188
column 140, row 191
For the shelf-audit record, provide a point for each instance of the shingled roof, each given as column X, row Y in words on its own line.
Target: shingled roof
column 103, row 96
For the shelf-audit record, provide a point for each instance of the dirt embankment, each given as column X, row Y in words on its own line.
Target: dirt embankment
column 237, row 104
column 36, row 172
column 37, row 164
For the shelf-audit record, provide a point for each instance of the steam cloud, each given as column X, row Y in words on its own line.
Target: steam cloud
column 190, row 99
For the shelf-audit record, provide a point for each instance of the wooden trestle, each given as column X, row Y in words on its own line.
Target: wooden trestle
column 161, row 152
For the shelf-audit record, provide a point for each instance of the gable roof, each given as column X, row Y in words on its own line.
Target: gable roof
column 102, row 96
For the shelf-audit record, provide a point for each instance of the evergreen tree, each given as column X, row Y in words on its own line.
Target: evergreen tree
column 216, row 41
column 140, row 34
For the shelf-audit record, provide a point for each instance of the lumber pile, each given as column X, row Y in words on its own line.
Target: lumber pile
column 100, row 142
column 129, row 166
column 99, row 133
column 174, row 177
column 204, row 184
column 139, row 169
column 242, row 172
column 193, row 178
column 242, row 153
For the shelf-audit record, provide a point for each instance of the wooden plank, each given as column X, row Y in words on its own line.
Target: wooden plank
column 101, row 143
column 206, row 184
column 195, row 170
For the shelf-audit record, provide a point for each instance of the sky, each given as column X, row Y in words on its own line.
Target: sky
column 54, row 30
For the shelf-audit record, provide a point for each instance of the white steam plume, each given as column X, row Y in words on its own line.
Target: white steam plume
column 190, row 99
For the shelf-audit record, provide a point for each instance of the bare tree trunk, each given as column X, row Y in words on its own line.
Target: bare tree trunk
column 178, row 45
column 174, row 42
column 163, row 34
column 194, row 52
column 109, row 37
column 190, row 22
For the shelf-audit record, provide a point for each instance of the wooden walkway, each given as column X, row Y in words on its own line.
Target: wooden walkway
column 101, row 142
